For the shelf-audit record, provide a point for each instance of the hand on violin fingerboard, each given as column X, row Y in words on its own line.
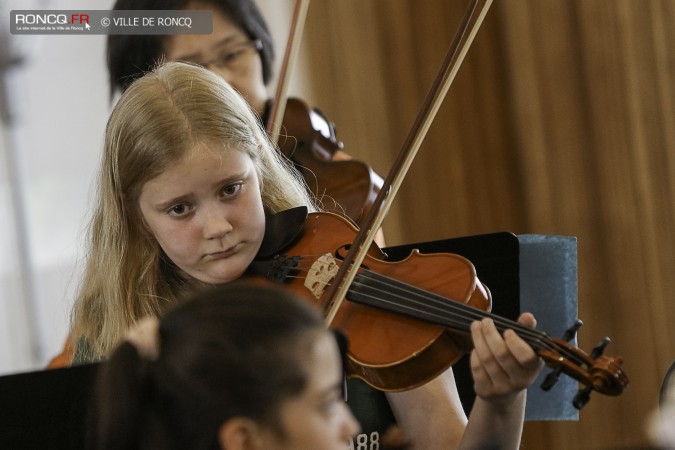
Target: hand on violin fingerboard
column 502, row 365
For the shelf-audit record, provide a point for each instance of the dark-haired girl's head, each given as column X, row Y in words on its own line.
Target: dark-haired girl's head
column 237, row 364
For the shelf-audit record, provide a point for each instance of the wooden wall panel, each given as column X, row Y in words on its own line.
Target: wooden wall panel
column 561, row 121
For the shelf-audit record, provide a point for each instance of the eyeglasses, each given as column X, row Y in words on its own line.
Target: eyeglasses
column 231, row 56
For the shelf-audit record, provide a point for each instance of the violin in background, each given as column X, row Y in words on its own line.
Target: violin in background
column 339, row 183
column 344, row 186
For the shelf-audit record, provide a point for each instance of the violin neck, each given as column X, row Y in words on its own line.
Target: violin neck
column 379, row 291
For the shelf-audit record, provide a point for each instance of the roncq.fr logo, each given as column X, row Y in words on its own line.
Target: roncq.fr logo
column 51, row 19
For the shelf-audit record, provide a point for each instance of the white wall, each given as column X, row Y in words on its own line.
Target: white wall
column 59, row 96
column 50, row 155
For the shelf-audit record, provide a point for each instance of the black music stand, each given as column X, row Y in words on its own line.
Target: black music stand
column 46, row 409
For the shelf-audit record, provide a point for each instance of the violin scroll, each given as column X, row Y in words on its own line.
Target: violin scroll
column 595, row 372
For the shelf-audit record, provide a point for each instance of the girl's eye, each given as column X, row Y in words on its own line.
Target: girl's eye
column 230, row 56
column 178, row 210
column 232, row 189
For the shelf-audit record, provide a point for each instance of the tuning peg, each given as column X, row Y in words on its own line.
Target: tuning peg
column 571, row 332
column 582, row 397
column 598, row 349
column 552, row 378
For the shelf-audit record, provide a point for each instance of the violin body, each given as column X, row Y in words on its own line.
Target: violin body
column 348, row 187
column 389, row 351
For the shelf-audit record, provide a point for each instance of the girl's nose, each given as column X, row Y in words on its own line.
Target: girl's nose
column 216, row 225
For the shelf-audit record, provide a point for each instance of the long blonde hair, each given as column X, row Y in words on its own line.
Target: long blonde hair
column 162, row 116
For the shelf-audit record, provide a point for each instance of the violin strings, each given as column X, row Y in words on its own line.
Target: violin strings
column 419, row 303
column 435, row 306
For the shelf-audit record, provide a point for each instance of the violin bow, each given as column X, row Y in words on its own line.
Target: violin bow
column 471, row 22
column 290, row 55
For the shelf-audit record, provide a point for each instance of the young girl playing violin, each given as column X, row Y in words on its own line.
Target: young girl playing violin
column 187, row 180
column 240, row 50
column 201, row 378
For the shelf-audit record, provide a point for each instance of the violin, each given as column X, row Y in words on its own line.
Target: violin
column 347, row 187
column 408, row 321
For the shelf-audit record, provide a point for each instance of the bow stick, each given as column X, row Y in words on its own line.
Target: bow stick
column 290, row 55
column 471, row 22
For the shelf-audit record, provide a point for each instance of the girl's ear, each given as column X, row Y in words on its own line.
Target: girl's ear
column 239, row 433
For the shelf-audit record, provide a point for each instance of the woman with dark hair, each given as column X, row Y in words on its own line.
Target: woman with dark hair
column 239, row 366
column 240, row 38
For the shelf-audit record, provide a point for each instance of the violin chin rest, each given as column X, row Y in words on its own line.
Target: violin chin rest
column 281, row 229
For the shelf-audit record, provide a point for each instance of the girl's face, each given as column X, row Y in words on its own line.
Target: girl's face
column 227, row 51
column 318, row 418
column 206, row 213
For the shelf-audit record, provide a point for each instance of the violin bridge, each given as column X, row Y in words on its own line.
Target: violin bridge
column 322, row 271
